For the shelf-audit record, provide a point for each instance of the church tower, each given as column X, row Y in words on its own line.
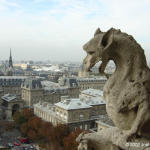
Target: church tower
column 10, row 69
column 10, row 60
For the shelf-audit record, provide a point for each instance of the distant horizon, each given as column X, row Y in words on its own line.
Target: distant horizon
column 55, row 61
column 26, row 60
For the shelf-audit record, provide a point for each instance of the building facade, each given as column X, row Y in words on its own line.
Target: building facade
column 75, row 113
column 86, row 83
column 11, row 84
column 32, row 91
column 94, row 83
column 72, row 112
column 94, row 98
column 35, row 90
column 9, row 105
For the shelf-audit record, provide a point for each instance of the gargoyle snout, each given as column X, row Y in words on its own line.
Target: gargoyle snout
column 85, row 47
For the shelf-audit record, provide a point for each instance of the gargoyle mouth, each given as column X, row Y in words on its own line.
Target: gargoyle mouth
column 89, row 62
column 90, row 67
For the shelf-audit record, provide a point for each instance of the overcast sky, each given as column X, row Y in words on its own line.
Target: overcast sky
column 57, row 29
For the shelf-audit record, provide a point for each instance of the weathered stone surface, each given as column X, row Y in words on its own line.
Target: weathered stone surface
column 127, row 91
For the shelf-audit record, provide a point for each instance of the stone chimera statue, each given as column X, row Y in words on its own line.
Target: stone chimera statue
column 127, row 92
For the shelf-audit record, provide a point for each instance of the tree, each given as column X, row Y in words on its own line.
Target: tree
column 19, row 118
column 35, row 123
column 24, row 128
column 32, row 134
column 28, row 113
column 70, row 140
column 60, row 131
column 23, row 116
column 45, row 130
column 50, row 137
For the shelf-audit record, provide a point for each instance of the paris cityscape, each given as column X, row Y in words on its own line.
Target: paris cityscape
column 62, row 95
column 53, row 79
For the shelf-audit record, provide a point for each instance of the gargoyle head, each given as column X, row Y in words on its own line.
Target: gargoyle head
column 97, row 47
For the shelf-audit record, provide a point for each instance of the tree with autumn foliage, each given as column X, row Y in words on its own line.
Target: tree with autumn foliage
column 45, row 131
column 24, row 128
column 70, row 140
column 23, row 116
column 50, row 137
column 32, row 127
column 19, row 118
column 60, row 131
column 28, row 113
column 32, row 134
column 54, row 135
column 35, row 123
column 37, row 129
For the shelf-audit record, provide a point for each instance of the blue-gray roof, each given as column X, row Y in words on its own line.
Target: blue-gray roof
column 69, row 82
column 9, row 97
column 32, row 83
column 12, row 80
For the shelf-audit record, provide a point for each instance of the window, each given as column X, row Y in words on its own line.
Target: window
column 81, row 116
column 86, row 126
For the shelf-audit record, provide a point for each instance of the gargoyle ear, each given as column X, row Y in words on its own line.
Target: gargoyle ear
column 107, row 38
column 98, row 31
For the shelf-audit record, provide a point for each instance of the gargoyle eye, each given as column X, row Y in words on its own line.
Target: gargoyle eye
column 91, row 53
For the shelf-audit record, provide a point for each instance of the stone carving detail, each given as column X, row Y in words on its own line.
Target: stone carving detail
column 127, row 92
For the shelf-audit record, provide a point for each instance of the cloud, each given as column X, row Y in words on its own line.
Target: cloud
column 38, row 1
column 7, row 3
column 57, row 29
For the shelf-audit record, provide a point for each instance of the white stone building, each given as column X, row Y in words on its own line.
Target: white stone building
column 94, row 98
column 74, row 112
column 92, row 82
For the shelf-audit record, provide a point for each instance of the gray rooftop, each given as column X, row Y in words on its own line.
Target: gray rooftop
column 12, row 80
column 9, row 97
column 70, row 104
column 92, row 92
column 13, row 77
column 32, row 83
column 69, row 82
column 102, row 78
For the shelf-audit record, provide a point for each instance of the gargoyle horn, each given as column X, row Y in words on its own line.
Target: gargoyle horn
column 98, row 31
